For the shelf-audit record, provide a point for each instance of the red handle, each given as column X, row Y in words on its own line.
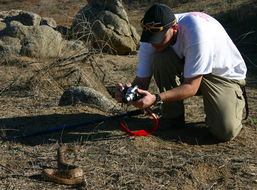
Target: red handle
column 142, row 132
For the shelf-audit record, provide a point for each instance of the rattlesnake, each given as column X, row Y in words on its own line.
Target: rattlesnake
column 65, row 173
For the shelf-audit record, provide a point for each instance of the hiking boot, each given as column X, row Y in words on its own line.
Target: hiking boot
column 166, row 124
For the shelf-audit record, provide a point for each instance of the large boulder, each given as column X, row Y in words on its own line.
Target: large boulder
column 36, row 41
column 90, row 97
column 105, row 23
column 28, row 34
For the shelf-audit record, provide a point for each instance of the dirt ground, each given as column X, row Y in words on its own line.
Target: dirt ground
column 185, row 159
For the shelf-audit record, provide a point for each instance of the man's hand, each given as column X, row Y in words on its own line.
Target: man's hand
column 118, row 92
column 141, row 82
column 146, row 101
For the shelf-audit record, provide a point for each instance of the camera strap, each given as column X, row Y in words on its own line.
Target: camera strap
column 142, row 132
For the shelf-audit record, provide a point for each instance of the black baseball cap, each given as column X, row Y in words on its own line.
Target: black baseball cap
column 156, row 16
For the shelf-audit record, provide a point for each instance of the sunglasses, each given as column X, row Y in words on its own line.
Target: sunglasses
column 154, row 29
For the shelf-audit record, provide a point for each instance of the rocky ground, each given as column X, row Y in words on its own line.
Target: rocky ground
column 181, row 159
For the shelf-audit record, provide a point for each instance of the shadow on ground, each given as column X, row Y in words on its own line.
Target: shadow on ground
column 62, row 128
column 194, row 134
column 45, row 129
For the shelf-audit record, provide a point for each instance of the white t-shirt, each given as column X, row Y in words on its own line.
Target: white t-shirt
column 205, row 46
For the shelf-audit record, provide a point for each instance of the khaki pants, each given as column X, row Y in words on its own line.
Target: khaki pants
column 222, row 97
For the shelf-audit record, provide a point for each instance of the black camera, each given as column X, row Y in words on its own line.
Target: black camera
column 130, row 94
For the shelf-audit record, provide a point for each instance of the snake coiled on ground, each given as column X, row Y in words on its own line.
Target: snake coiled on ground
column 66, row 173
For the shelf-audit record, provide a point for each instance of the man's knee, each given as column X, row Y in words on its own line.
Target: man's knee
column 226, row 130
